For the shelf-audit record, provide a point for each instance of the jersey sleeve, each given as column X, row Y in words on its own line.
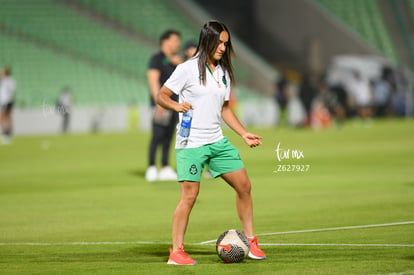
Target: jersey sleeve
column 177, row 80
column 155, row 63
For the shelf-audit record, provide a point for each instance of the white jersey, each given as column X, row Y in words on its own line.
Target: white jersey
column 65, row 100
column 7, row 88
column 207, row 101
column 361, row 92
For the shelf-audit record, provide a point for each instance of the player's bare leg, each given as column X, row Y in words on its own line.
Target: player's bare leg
column 189, row 193
column 2, row 120
column 241, row 184
column 6, row 126
column 7, row 122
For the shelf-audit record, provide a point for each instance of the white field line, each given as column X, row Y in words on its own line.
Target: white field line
column 83, row 243
column 336, row 244
column 264, row 234
column 402, row 273
column 167, row 243
column 328, row 229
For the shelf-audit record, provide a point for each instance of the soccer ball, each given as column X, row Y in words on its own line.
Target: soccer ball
column 232, row 246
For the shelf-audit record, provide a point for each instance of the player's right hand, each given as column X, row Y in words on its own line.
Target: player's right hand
column 183, row 107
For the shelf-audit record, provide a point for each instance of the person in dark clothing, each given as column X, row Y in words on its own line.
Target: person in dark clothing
column 281, row 96
column 161, row 66
column 307, row 93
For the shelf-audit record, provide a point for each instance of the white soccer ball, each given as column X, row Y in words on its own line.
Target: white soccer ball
column 232, row 246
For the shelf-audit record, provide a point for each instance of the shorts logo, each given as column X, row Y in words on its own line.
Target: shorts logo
column 193, row 169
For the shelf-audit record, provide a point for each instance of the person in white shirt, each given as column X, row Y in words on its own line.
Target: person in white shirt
column 362, row 95
column 203, row 84
column 7, row 90
column 64, row 107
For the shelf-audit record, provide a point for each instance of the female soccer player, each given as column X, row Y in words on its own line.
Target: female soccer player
column 203, row 85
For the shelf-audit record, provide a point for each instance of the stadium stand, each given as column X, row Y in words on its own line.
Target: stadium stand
column 139, row 16
column 363, row 17
column 55, row 24
column 411, row 7
column 50, row 44
column 42, row 73
column 146, row 17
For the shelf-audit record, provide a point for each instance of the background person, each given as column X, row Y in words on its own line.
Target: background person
column 362, row 95
column 190, row 49
column 64, row 108
column 7, row 90
column 382, row 90
column 281, row 97
column 326, row 105
column 161, row 66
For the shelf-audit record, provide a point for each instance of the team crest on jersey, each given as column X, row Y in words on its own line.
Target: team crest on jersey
column 193, row 169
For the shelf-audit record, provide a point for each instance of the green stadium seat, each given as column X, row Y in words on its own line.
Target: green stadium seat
column 41, row 73
column 410, row 4
column 50, row 45
column 53, row 23
column 149, row 18
column 364, row 18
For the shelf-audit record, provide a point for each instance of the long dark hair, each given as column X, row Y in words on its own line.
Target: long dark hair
column 207, row 44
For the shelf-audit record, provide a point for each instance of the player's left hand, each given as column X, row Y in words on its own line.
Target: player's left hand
column 252, row 140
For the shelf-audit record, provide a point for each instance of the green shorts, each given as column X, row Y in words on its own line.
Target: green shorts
column 219, row 157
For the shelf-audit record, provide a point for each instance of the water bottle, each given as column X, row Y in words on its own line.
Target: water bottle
column 185, row 126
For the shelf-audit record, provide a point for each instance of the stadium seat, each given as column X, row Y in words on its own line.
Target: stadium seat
column 365, row 19
column 51, row 44
column 41, row 73
column 140, row 14
column 53, row 23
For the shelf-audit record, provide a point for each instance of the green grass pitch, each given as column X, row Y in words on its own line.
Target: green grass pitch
column 80, row 204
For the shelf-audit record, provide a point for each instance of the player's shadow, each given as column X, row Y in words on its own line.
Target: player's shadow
column 141, row 254
column 151, row 254
column 411, row 184
column 161, row 254
column 137, row 173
